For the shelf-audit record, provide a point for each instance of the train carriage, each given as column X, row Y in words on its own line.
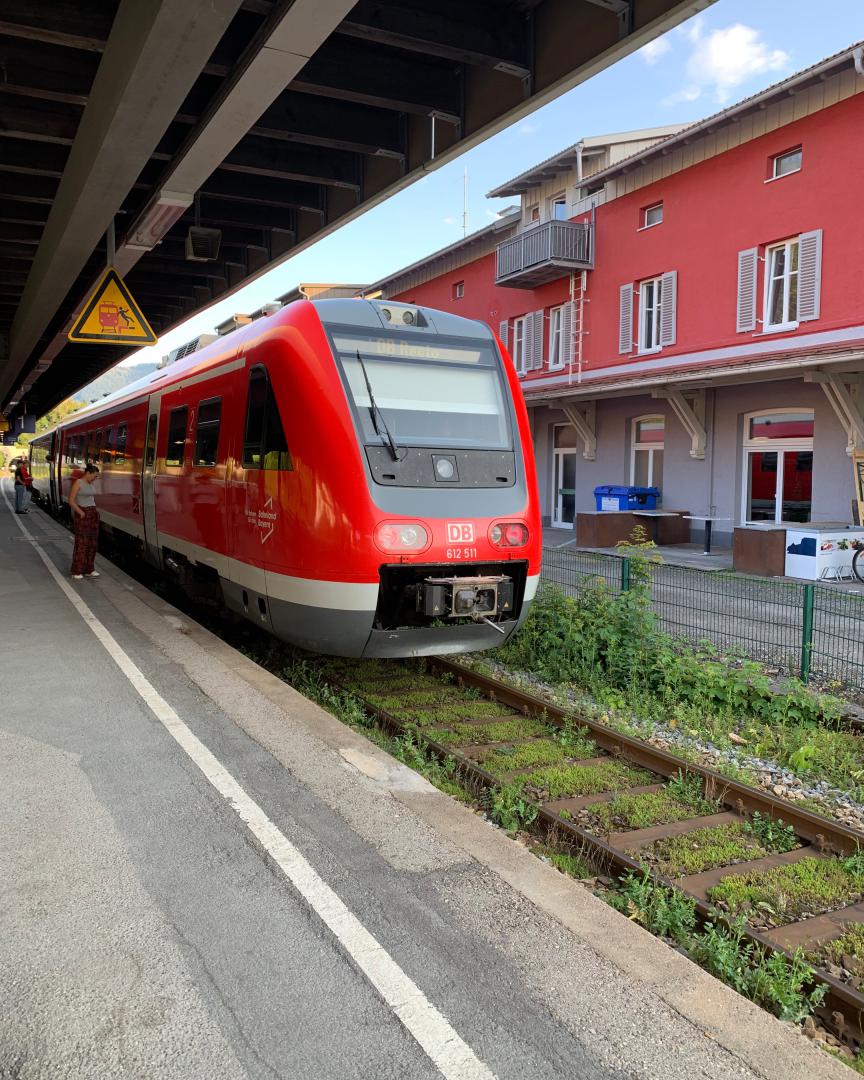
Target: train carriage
column 355, row 476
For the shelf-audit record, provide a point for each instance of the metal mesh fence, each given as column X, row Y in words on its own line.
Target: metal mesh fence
column 813, row 631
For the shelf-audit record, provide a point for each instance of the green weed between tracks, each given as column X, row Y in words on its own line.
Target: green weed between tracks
column 779, row 984
column 785, row 894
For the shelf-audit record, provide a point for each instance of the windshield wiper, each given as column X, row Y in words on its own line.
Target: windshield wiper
column 376, row 413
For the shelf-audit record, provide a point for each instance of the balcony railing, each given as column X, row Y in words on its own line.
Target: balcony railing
column 544, row 253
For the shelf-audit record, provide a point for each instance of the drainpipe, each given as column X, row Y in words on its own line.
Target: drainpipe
column 858, row 57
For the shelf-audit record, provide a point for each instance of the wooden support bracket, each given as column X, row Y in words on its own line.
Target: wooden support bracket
column 584, row 420
column 846, row 397
column 690, row 410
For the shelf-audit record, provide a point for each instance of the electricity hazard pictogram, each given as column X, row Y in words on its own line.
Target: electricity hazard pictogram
column 111, row 315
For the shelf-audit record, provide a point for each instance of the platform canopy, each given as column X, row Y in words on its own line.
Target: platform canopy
column 271, row 121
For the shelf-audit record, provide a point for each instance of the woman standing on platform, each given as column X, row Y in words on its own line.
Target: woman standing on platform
column 85, row 524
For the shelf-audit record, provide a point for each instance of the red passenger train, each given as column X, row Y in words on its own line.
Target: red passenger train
column 356, row 476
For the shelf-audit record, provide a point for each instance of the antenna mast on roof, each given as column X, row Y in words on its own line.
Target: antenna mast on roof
column 465, row 204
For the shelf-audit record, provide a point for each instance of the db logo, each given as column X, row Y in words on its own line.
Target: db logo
column 460, row 532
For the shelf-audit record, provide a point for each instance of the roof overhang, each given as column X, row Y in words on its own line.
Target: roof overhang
column 274, row 121
column 845, row 360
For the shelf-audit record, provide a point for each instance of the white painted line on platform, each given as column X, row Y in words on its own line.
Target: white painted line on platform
column 453, row 1058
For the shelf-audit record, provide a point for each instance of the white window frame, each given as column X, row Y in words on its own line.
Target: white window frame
column 766, row 445
column 780, row 157
column 556, row 338
column 641, row 347
column 649, row 448
column 518, row 350
column 558, row 200
column 646, row 224
column 770, row 251
column 531, row 221
column 459, row 290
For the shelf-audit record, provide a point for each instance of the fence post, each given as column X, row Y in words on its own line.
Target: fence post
column 807, row 632
column 625, row 574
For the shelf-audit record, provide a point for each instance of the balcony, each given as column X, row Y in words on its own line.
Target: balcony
column 544, row 253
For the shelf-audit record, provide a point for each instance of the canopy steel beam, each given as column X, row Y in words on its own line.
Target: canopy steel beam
column 60, row 22
column 448, row 32
column 150, row 61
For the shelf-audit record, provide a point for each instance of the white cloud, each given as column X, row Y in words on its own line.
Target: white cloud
column 527, row 129
column 721, row 61
column 449, row 220
column 652, row 52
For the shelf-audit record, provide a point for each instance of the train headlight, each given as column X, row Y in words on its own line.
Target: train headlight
column 509, row 534
column 401, row 537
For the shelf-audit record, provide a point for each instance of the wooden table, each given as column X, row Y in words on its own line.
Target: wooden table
column 708, row 523
column 655, row 515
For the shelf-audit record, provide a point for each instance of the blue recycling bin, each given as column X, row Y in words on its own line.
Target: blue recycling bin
column 621, row 497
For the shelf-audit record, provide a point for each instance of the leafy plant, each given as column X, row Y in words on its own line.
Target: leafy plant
column 665, row 912
column 510, row 810
column 576, row 740
column 771, row 833
column 781, row 984
column 687, row 787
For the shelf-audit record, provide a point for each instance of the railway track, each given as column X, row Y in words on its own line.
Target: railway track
column 629, row 805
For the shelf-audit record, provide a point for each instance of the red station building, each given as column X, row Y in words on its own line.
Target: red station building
column 683, row 307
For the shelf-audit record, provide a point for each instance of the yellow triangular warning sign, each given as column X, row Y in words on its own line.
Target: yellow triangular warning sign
column 111, row 315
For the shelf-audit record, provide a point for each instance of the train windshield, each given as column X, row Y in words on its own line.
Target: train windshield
column 430, row 392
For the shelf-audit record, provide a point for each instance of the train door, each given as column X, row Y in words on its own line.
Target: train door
column 148, row 484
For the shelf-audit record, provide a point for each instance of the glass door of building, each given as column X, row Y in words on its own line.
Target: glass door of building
column 564, row 504
column 778, row 466
column 779, row 485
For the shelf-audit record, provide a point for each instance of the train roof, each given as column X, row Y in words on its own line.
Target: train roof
column 343, row 311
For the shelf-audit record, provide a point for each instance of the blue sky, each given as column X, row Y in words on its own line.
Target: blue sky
column 730, row 51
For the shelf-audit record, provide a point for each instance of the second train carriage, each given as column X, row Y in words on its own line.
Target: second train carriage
column 355, row 476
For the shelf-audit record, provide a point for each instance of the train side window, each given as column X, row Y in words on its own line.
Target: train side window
column 120, row 448
column 207, row 432
column 264, row 444
column 107, row 456
column 150, row 451
column 96, row 447
column 177, row 423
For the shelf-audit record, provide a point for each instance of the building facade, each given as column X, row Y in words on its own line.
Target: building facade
column 684, row 306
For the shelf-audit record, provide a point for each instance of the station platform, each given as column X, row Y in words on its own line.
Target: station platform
column 203, row 874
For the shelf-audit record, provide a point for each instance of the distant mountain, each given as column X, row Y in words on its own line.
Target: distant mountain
column 112, row 380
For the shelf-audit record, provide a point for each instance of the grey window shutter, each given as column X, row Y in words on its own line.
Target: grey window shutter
column 668, row 307
column 537, row 352
column 747, row 261
column 502, row 333
column 528, row 342
column 809, row 274
column 567, row 317
column 625, row 320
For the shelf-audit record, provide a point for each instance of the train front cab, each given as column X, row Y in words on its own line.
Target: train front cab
column 450, row 491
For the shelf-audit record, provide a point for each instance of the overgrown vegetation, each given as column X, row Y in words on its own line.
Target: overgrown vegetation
column 609, row 644
column 782, row 985
column 560, row 781
column 704, row 849
column 784, row 894
column 626, row 812
column 845, row 953
column 770, row 832
column 509, row 809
